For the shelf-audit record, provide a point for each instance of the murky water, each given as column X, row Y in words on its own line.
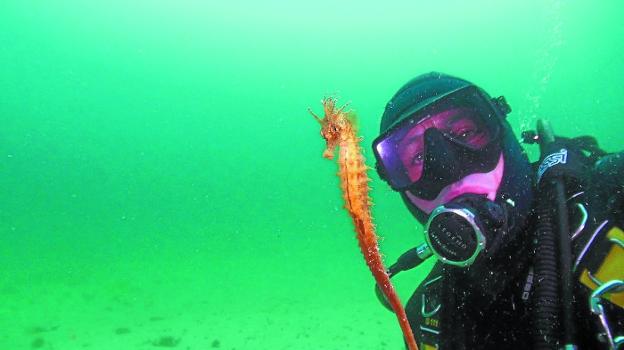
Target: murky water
column 161, row 182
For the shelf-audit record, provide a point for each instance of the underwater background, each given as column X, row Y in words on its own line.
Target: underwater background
column 161, row 181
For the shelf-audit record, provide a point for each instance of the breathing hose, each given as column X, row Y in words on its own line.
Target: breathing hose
column 545, row 316
column 553, row 316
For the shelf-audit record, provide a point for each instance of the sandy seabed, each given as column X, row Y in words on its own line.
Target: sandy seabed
column 117, row 313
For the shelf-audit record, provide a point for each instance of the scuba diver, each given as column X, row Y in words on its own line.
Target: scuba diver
column 503, row 277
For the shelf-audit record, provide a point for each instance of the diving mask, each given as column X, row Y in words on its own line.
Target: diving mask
column 440, row 143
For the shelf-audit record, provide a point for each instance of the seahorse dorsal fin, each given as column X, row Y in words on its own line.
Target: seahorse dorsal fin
column 315, row 116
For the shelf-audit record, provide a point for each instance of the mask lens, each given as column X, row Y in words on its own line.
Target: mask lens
column 465, row 120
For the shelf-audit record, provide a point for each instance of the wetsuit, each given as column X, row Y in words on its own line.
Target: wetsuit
column 447, row 312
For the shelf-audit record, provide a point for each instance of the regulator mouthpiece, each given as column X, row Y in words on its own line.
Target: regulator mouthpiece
column 464, row 229
column 454, row 236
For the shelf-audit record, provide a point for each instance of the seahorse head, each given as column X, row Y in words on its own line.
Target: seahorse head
column 334, row 125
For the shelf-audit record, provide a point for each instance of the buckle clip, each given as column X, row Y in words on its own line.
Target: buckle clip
column 501, row 103
column 595, row 305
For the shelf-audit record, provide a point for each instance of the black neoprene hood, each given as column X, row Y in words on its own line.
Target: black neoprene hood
column 424, row 90
column 418, row 93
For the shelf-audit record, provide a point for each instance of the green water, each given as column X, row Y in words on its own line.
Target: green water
column 161, row 182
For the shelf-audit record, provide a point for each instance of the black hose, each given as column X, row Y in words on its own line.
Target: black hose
column 553, row 296
column 565, row 265
column 546, row 306
column 408, row 260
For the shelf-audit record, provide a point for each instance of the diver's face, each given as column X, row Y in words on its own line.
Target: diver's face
column 459, row 124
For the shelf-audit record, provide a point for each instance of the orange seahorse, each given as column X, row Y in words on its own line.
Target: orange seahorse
column 338, row 128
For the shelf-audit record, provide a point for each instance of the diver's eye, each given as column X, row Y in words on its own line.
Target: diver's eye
column 418, row 158
column 463, row 131
column 465, row 134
